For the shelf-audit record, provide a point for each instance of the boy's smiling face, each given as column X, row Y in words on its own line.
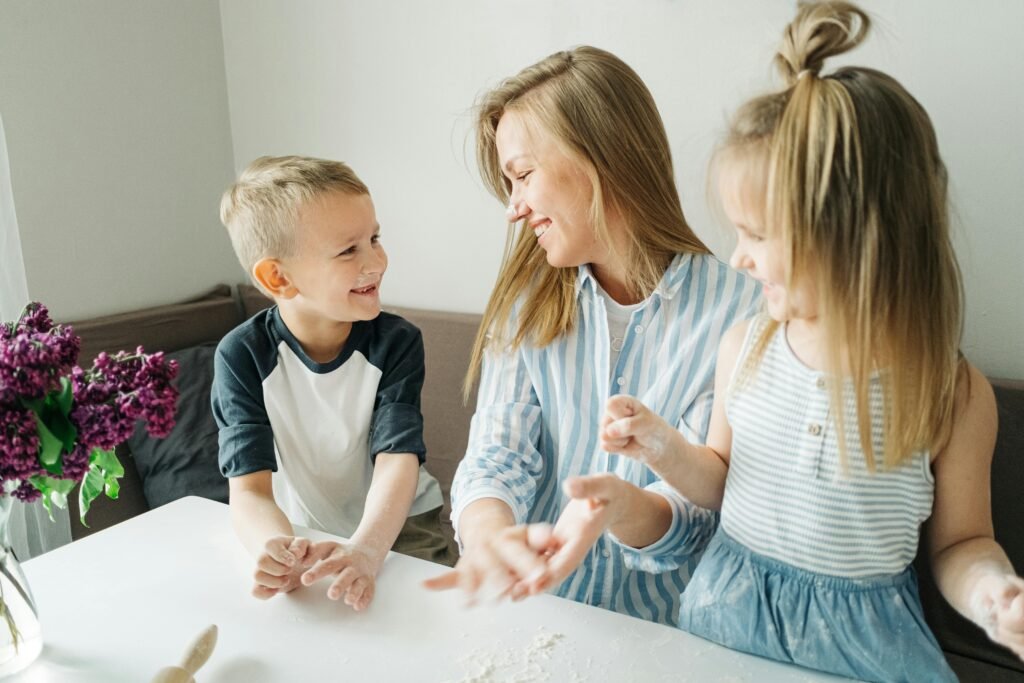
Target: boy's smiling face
column 338, row 261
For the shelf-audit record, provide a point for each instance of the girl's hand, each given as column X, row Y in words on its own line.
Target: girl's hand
column 998, row 607
column 630, row 428
column 355, row 569
column 510, row 563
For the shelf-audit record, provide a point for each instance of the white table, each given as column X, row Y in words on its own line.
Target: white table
column 120, row 604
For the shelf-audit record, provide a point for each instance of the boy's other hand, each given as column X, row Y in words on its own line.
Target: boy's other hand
column 280, row 565
column 355, row 568
column 999, row 609
column 632, row 429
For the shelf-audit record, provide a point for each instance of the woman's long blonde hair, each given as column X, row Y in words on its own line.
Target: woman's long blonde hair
column 857, row 190
column 601, row 114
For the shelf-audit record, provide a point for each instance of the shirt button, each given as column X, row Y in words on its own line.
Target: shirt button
column 621, row 381
column 820, row 383
column 638, row 329
column 606, row 553
column 814, row 429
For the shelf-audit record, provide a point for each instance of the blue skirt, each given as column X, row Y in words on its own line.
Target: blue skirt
column 871, row 629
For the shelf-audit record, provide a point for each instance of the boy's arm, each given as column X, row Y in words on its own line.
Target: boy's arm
column 255, row 515
column 267, row 534
column 971, row 569
column 355, row 564
column 247, row 458
column 392, row 489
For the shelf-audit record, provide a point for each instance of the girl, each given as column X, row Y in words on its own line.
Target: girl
column 605, row 289
column 846, row 415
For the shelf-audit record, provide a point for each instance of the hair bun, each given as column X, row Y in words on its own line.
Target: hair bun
column 820, row 30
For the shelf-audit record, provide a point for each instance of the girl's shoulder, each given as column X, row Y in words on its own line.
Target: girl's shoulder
column 975, row 418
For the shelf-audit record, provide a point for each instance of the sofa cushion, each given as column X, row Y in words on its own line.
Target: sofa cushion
column 185, row 462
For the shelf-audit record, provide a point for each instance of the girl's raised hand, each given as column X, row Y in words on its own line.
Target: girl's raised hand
column 632, row 429
column 998, row 607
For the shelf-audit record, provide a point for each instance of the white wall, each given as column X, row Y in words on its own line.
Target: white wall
column 119, row 142
column 388, row 87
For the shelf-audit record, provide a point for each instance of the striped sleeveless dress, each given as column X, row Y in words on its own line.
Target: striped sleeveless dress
column 812, row 562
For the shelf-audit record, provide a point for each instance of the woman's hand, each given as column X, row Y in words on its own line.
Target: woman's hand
column 510, row 563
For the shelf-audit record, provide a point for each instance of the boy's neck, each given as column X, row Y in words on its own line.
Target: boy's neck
column 320, row 338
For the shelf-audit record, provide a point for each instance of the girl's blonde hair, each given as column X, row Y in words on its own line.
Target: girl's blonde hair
column 857, row 190
column 601, row 115
column 261, row 209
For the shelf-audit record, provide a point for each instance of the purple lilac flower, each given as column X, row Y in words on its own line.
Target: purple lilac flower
column 101, row 425
column 35, row 318
column 26, row 492
column 76, row 463
column 19, row 445
column 34, row 355
column 108, row 398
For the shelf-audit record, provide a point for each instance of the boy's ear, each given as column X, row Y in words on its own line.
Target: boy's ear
column 270, row 273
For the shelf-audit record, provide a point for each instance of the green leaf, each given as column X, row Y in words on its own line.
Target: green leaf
column 63, row 429
column 111, row 469
column 65, row 397
column 112, row 488
column 92, row 485
column 107, row 461
column 49, row 446
column 55, row 491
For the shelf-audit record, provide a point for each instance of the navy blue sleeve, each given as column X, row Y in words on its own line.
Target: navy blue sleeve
column 397, row 424
column 245, row 436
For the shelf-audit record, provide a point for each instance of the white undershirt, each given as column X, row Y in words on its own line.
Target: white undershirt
column 619, row 316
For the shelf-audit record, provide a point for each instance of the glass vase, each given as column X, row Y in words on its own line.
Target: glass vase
column 21, row 639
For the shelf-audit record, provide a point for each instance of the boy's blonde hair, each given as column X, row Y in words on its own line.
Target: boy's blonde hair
column 601, row 115
column 261, row 209
column 857, row 190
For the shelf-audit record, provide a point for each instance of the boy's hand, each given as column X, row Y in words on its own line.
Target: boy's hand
column 354, row 566
column 630, row 428
column 511, row 563
column 280, row 565
column 998, row 607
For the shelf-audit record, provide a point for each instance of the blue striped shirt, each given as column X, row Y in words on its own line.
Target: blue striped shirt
column 539, row 411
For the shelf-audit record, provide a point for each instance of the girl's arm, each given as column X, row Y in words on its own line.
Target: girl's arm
column 970, row 568
column 696, row 471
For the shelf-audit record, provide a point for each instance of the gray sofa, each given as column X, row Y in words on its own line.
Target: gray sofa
column 448, row 338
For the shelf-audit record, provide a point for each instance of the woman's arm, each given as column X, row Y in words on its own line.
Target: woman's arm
column 971, row 569
column 495, row 484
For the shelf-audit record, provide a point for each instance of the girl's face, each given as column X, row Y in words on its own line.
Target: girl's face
column 761, row 251
column 550, row 192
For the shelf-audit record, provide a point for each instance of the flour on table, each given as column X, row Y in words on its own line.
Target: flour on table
column 515, row 665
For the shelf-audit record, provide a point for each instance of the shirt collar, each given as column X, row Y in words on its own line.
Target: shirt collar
column 670, row 284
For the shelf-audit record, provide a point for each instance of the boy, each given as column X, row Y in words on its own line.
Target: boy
column 317, row 398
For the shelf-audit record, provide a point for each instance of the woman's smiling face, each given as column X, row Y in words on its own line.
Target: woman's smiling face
column 550, row 191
